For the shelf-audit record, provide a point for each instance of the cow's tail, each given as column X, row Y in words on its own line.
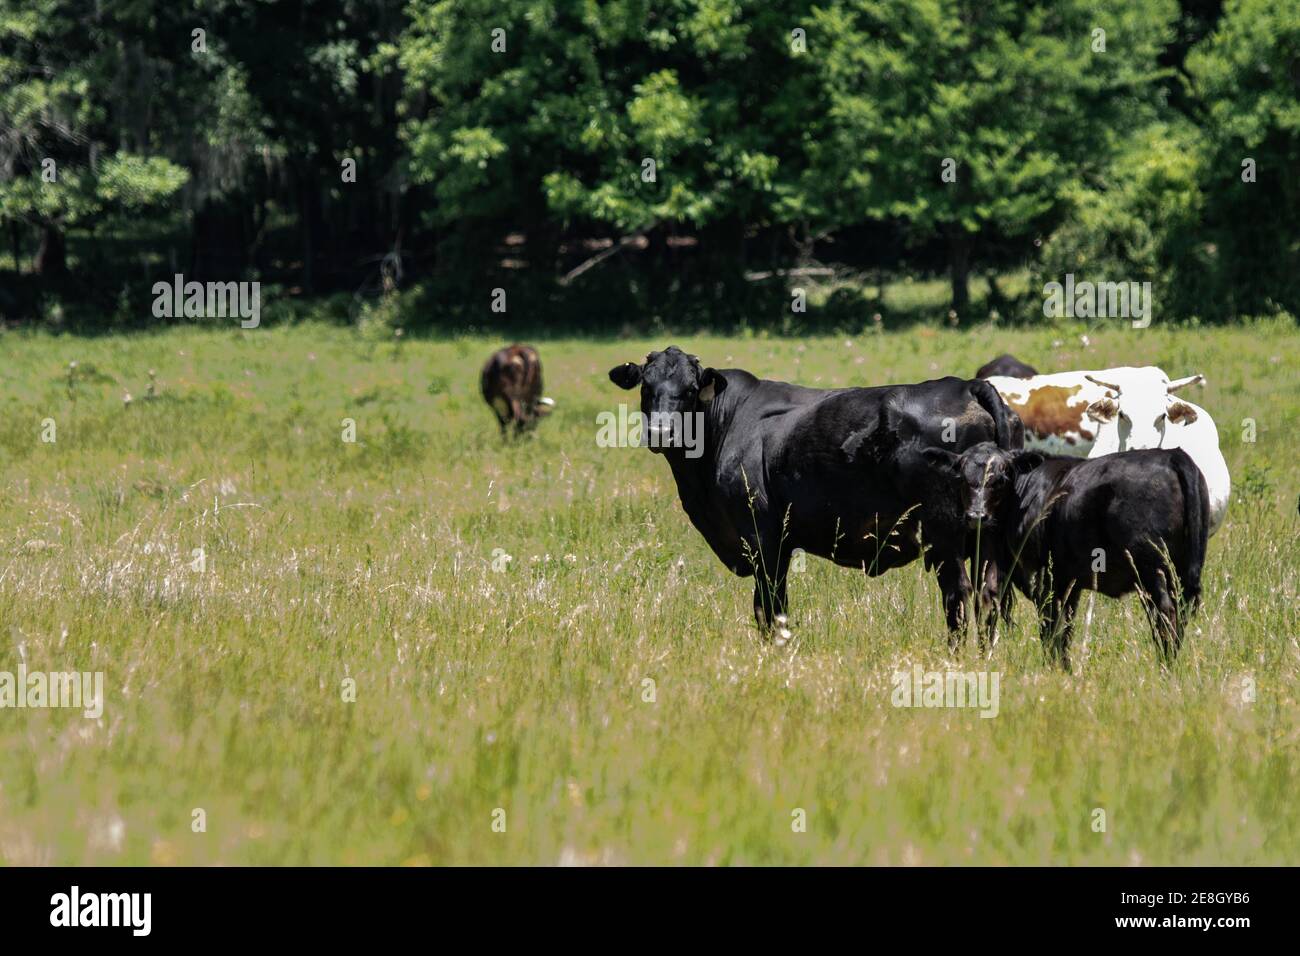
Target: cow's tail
column 1195, row 522
column 992, row 403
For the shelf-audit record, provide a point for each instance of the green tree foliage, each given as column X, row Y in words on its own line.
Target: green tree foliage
column 628, row 114
column 1138, row 221
column 1247, row 75
column 510, row 142
column 316, row 89
column 1016, row 97
column 65, row 114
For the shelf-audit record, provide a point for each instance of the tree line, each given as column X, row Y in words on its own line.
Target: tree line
column 651, row 156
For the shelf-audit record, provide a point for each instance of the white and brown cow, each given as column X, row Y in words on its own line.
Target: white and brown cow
column 1087, row 414
column 511, row 382
column 1184, row 425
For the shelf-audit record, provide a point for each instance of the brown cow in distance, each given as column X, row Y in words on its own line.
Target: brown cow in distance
column 512, row 385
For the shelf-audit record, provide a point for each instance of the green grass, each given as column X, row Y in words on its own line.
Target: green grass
column 523, row 690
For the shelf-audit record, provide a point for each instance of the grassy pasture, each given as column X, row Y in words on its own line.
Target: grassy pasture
column 523, row 689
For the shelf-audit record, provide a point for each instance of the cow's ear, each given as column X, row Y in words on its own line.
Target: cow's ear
column 1024, row 462
column 942, row 460
column 711, row 383
column 627, row 375
column 1103, row 410
column 1180, row 413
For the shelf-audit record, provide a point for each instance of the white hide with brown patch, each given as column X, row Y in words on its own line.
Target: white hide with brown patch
column 1086, row 414
column 1054, row 407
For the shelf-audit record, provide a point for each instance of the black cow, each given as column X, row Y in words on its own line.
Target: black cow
column 1007, row 365
column 783, row 467
column 1135, row 520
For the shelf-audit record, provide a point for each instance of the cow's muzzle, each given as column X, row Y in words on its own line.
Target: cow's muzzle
column 660, row 431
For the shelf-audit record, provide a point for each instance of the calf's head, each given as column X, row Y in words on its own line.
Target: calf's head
column 983, row 477
column 673, row 386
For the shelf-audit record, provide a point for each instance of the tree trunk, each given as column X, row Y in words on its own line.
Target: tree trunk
column 959, row 268
column 220, row 243
column 996, row 299
column 307, row 196
column 16, row 238
column 52, row 256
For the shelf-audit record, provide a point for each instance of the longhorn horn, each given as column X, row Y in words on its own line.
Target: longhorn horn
column 1176, row 384
column 1096, row 381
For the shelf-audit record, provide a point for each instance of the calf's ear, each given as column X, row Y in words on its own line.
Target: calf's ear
column 710, row 384
column 941, row 459
column 1024, row 462
column 627, row 375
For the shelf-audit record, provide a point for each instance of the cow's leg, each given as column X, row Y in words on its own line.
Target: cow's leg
column 1057, row 624
column 1007, row 604
column 954, row 584
column 1047, row 625
column 1055, row 621
column 1007, row 596
column 987, row 604
column 501, row 409
column 1069, row 604
column 1003, row 562
column 988, row 572
column 1162, row 612
column 517, row 418
column 772, row 566
column 769, row 599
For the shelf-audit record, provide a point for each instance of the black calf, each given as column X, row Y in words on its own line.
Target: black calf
column 1132, row 521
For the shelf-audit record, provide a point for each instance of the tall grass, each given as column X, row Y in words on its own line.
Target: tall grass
column 529, row 689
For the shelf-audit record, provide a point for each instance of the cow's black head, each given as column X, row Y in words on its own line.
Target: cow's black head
column 984, row 475
column 673, row 385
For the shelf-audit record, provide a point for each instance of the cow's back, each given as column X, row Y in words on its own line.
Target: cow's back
column 1052, row 408
column 1006, row 365
column 1111, row 515
column 827, row 464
